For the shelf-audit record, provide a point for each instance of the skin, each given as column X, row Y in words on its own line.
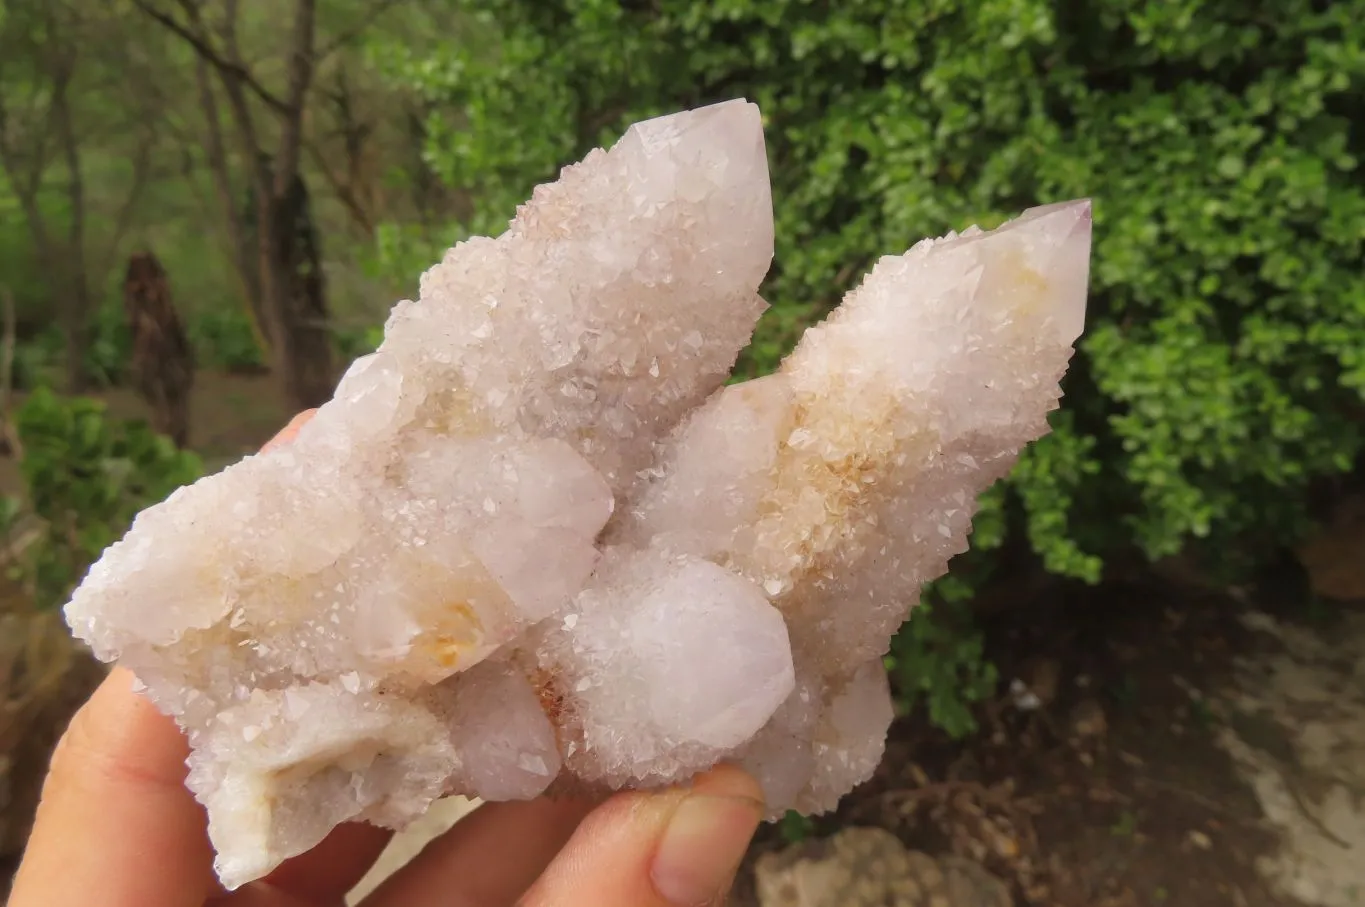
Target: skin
column 117, row 826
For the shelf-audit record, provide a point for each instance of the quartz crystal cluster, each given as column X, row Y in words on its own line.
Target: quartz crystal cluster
column 535, row 544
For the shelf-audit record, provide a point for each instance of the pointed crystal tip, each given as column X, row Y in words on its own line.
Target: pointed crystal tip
column 715, row 159
column 1077, row 210
column 1064, row 228
column 727, row 116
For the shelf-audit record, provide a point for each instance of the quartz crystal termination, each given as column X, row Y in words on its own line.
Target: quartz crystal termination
column 842, row 483
column 527, row 548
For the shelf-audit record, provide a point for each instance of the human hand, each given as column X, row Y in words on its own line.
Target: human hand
column 117, row 827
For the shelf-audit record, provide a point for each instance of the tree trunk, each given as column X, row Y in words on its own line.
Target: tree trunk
column 305, row 300
column 244, row 263
column 293, row 298
column 74, row 304
column 301, row 352
column 292, row 311
column 162, row 364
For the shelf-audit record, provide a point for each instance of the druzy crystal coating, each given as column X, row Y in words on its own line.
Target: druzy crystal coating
column 535, row 544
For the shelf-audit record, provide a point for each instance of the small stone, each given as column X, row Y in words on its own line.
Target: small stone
column 1088, row 720
column 1037, row 684
column 1332, row 556
column 1198, row 840
column 870, row 867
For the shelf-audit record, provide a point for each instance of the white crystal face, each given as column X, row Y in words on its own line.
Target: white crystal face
column 533, row 544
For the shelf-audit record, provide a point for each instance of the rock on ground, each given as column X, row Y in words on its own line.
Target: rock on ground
column 870, row 867
column 1295, row 727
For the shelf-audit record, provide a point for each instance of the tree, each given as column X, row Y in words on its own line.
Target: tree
column 162, row 361
column 293, row 327
column 48, row 67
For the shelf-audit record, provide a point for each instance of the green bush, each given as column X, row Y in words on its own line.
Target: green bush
column 86, row 476
column 38, row 358
column 223, row 339
column 111, row 344
column 354, row 342
column 1223, row 367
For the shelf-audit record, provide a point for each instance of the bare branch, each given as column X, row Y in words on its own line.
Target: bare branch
column 27, row 181
column 300, row 79
column 380, row 7
column 7, row 344
column 123, row 220
column 229, row 68
column 343, row 191
column 248, row 273
column 253, row 156
column 218, row 162
column 74, row 303
column 11, row 433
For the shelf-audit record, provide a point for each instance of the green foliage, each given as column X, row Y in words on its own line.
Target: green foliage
column 795, row 827
column 1223, row 367
column 937, row 660
column 223, row 339
column 38, row 358
column 106, row 359
column 86, row 476
column 777, row 332
column 352, row 343
column 408, row 251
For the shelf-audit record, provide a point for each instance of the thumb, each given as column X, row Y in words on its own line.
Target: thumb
column 679, row 847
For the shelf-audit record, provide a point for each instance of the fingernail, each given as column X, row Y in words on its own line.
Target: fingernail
column 702, row 847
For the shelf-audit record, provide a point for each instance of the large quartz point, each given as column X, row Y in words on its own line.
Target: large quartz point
column 533, row 545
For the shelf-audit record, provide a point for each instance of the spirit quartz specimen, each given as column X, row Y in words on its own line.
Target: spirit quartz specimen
column 532, row 545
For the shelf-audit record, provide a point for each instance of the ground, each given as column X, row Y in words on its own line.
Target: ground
column 1183, row 747
column 1165, row 743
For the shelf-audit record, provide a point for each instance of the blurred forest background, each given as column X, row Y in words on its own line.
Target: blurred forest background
column 207, row 207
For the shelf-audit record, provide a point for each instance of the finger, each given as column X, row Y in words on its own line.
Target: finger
column 488, row 859
column 326, row 873
column 115, row 795
column 290, row 431
column 115, row 817
column 675, row 848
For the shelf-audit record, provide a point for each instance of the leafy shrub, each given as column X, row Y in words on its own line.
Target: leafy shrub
column 351, row 343
column 37, row 359
column 107, row 357
column 777, row 332
column 223, row 338
column 86, row 475
column 1223, row 367
column 404, row 251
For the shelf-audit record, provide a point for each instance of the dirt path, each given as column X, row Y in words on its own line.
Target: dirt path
column 1294, row 713
column 1112, row 783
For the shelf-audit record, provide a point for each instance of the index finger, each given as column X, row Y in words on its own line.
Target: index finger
column 115, row 815
column 116, row 818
